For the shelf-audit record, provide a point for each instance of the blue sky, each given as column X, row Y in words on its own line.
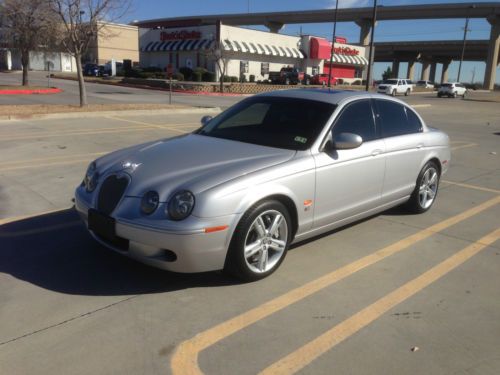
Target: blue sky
column 385, row 31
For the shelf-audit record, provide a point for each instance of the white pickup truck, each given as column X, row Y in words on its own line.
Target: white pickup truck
column 395, row 86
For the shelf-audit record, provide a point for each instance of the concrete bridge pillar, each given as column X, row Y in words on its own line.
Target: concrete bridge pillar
column 426, row 67
column 444, row 73
column 410, row 74
column 274, row 27
column 395, row 68
column 493, row 50
column 432, row 75
column 365, row 25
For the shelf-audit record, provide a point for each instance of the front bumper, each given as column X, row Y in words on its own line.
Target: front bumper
column 195, row 250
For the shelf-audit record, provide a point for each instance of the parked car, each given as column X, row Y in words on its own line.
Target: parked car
column 395, row 86
column 289, row 76
column 452, row 90
column 320, row 79
column 425, row 84
column 274, row 169
column 94, row 70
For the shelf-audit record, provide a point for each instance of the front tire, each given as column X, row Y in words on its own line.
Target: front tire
column 407, row 92
column 393, row 93
column 426, row 189
column 260, row 241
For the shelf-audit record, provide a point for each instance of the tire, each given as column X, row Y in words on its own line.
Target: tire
column 425, row 192
column 464, row 95
column 407, row 92
column 454, row 94
column 439, row 95
column 393, row 93
column 287, row 81
column 308, row 82
column 265, row 251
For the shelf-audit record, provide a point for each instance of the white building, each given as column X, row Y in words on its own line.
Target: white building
column 249, row 52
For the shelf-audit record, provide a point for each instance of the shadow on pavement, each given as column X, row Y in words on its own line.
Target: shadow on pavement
column 55, row 252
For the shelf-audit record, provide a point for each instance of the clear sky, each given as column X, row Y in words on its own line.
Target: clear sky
column 385, row 31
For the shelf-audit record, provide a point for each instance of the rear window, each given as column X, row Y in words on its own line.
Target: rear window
column 395, row 119
column 391, row 82
column 446, row 85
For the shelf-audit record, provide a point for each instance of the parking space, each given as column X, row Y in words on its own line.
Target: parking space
column 395, row 293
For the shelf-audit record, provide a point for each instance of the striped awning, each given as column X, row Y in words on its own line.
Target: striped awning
column 261, row 49
column 349, row 59
column 178, row 45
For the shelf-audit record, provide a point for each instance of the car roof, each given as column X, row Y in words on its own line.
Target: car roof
column 326, row 95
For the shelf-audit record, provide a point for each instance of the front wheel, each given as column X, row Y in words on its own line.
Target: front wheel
column 407, row 92
column 454, row 94
column 426, row 189
column 260, row 241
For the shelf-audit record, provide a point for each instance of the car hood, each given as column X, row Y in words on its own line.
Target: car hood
column 192, row 162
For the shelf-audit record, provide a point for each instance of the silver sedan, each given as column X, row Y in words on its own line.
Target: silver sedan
column 272, row 170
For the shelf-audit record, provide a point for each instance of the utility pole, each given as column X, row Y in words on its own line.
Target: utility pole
column 466, row 29
column 370, row 57
column 332, row 51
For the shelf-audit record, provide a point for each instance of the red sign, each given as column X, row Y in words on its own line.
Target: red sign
column 180, row 35
column 346, row 51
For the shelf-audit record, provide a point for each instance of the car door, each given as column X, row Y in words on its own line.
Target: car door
column 350, row 181
column 401, row 130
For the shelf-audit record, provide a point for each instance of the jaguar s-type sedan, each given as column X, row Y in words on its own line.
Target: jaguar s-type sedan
column 274, row 169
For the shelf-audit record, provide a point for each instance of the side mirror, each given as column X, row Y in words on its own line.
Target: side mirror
column 347, row 141
column 205, row 120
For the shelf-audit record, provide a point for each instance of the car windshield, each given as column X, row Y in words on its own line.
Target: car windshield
column 288, row 123
column 421, row 82
column 391, row 82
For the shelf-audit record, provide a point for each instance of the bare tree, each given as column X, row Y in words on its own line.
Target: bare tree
column 219, row 55
column 29, row 24
column 84, row 21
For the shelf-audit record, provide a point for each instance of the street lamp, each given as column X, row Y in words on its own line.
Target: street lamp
column 466, row 28
column 333, row 43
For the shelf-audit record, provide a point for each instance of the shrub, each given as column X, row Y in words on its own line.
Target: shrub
column 208, row 77
column 152, row 69
column 233, row 79
column 243, row 78
column 178, row 76
column 186, row 72
column 196, row 76
column 228, row 79
column 252, row 78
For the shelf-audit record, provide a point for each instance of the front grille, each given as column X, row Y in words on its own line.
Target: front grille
column 111, row 192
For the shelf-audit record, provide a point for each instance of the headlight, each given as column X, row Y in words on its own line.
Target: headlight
column 149, row 202
column 180, row 205
column 91, row 177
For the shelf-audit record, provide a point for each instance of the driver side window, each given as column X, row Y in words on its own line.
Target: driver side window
column 356, row 118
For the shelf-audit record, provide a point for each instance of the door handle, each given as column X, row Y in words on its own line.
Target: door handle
column 420, row 145
column 376, row 152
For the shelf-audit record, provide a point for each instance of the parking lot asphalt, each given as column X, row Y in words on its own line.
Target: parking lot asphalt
column 393, row 294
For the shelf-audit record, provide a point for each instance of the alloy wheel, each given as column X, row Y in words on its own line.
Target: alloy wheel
column 428, row 188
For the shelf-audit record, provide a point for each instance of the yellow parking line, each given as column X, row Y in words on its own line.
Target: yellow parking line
column 170, row 126
column 475, row 187
column 47, row 164
column 68, row 131
column 300, row 358
column 464, row 146
column 185, row 358
column 33, row 162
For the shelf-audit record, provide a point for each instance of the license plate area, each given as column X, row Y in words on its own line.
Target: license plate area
column 103, row 226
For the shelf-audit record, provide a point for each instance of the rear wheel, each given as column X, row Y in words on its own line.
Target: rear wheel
column 439, row 95
column 426, row 189
column 455, row 94
column 407, row 92
column 260, row 241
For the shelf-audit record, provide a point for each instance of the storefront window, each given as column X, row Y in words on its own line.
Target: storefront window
column 264, row 68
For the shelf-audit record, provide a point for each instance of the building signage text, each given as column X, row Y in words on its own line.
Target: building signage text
column 179, row 35
column 346, row 51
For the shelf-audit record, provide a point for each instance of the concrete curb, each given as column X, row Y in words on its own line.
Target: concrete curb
column 132, row 112
column 31, row 92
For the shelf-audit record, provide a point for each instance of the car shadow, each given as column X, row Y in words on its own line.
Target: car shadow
column 55, row 252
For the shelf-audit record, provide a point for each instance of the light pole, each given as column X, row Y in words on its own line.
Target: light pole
column 374, row 20
column 333, row 43
column 466, row 29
